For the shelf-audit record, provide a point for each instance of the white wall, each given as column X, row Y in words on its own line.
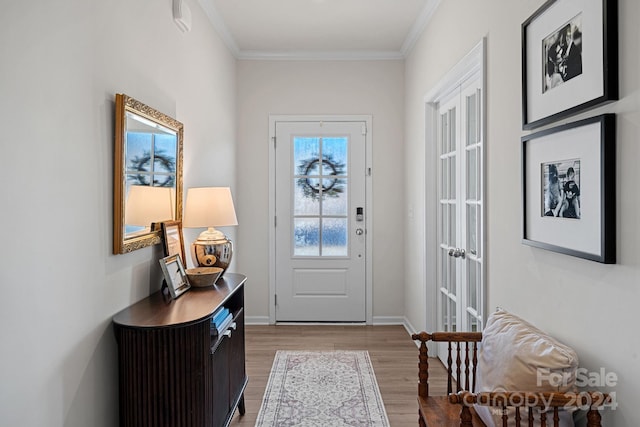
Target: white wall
column 61, row 64
column 590, row 306
column 321, row 87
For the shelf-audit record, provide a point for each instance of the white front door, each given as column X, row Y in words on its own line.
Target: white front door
column 320, row 234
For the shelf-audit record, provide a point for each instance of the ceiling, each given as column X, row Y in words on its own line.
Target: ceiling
column 319, row 29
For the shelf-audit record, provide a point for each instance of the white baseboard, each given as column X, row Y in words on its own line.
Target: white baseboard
column 388, row 320
column 409, row 327
column 377, row 320
column 256, row 320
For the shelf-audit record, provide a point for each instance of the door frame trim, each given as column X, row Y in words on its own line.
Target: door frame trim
column 368, row 120
column 473, row 64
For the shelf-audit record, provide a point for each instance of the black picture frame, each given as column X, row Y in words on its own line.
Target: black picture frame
column 589, row 144
column 551, row 88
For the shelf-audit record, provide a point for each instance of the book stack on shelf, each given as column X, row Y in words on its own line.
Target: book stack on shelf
column 220, row 321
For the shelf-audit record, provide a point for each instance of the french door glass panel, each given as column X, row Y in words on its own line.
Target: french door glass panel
column 448, row 276
column 471, row 97
column 460, row 211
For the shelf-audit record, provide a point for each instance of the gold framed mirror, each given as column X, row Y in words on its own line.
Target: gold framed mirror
column 147, row 186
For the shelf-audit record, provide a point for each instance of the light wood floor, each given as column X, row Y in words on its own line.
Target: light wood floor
column 393, row 354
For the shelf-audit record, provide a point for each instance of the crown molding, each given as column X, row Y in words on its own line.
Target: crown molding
column 310, row 55
column 219, row 25
column 419, row 26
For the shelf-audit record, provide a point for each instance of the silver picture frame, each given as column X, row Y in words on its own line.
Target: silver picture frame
column 174, row 275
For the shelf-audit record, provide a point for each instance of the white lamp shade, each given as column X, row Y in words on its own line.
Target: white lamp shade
column 209, row 207
column 147, row 204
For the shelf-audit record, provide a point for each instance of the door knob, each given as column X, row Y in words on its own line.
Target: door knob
column 359, row 231
column 457, row 253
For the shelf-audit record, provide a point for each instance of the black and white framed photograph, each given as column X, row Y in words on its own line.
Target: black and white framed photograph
column 174, row 275
column 568, row 189
column 569, row 59
column 561, row 188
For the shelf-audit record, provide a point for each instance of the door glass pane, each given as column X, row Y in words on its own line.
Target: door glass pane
column 306, row 169
column 334, row 155
column 472, row 242
column 303, row 205
column 306, row 233
column 473, row 323
column 472, row 296
column 472, row 179
column 452, row 177
column 443, row 179
column 305, row 151
column 452, row 225
column 320, row 190
column 445, row 313
column 334, row 237
column 334, row 198
column 444, row 264
column 452, row 316
column 452, row 275
column 478, row 245
column 452, row 129
column 444, row 230
column 472, row 120
column 444, row 134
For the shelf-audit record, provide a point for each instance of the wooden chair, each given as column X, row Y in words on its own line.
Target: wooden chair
column 457, row 408
column 462, row 358
column 525, row 408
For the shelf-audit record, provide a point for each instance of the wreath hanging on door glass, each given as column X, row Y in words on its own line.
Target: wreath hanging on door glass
column 320, row 183
column 142, row 163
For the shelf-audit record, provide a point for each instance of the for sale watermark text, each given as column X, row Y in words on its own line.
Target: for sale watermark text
column 584, row 378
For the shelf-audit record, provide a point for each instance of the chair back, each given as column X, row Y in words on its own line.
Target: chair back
column 462, row 359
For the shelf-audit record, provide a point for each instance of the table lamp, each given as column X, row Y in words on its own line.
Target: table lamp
column 210, row 207
column 146, row 205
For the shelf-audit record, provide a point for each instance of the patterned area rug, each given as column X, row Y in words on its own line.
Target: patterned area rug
column 322, row 389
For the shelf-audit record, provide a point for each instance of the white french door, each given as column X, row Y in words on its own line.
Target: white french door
column 460, row 274
column 320, row 217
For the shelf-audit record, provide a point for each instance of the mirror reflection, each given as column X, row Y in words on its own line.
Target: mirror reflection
column 148, row 181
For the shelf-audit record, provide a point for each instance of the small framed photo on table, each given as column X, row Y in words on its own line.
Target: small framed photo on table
column 569, row 59
column 175, row 275
column 568, row 189
column 172, row 239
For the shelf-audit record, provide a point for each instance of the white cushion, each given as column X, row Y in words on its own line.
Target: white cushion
column 517, row 356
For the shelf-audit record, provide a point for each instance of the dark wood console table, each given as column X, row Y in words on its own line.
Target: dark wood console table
column 172, row 370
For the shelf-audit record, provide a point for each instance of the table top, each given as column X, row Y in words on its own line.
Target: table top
column 192, row 306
